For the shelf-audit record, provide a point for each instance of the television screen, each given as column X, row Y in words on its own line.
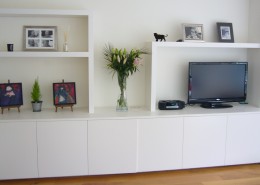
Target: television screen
column 213, row 83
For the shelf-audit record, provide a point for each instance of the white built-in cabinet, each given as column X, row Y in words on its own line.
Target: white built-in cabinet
column 112, row 146
column 160, row 138
column 243, row 139
column 18, row 150
column 204, row 141
column 62, row 148
column 75, row 143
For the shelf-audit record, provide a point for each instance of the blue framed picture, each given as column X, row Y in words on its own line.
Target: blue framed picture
column 11, row 94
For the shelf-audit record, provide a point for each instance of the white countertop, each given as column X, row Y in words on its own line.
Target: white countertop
column 111, row 113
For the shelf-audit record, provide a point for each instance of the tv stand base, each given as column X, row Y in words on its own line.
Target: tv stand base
column 215, row 105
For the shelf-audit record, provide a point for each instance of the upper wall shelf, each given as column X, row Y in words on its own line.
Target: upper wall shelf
column 25, row 54
column 206, row 44
column 43, row 12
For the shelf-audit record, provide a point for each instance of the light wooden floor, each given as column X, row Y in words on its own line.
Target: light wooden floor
column 232, row 175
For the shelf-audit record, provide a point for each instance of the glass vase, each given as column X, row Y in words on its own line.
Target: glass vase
column 122, row 100
column 65, row 47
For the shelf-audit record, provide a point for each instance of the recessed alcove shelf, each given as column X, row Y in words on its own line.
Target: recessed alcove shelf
column 157, row 47
column 78, row 24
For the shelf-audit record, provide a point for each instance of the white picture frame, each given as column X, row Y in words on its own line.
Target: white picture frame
column 40, row 38
column 193, row 32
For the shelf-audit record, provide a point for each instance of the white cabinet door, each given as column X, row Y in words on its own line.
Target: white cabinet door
column 62, row 148
column 18, row 150
column 112, row 146
column 160, row 144
column 204, row 141
column 243, row 139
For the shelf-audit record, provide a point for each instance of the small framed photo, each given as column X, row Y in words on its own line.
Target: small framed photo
column 64, row 93
column 11, row 94
column 192, row 32
column 40, row 38
column 225, row 32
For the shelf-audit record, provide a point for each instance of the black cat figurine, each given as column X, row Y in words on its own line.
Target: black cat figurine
column 160, row 37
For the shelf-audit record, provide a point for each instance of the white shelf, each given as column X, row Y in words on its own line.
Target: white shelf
column 205, row 45
column 43, row 12
column 106, row 113
column 22, row 54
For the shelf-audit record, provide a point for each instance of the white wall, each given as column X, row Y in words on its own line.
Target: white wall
column 130, row 23
column 254, row 55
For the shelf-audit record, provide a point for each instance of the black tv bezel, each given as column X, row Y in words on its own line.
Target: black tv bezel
column 214, row 102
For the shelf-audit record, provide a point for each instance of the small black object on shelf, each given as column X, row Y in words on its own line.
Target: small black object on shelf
column 179, row 40
column 171, row 104
column 160, row 37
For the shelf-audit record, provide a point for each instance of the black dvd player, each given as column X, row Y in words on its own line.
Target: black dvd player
column 171, row 104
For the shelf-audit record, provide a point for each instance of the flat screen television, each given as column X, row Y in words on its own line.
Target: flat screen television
column 212, row 84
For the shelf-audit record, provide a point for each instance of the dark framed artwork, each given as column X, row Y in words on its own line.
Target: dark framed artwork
column 40, row 38
column 64, row 93
column 225, row 32
column 11, row 94
column 193, row 32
